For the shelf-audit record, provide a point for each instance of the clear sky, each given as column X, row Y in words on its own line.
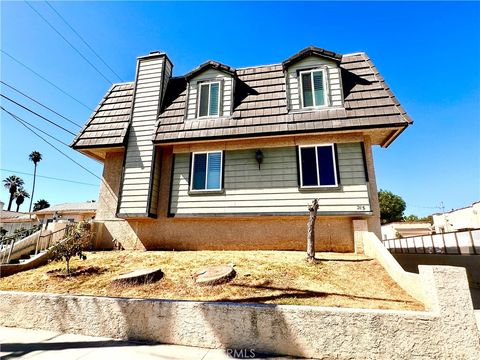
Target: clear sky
column 429, row 54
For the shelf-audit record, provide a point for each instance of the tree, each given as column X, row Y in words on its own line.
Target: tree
column 312, row 208
column 20, row 197
column 41, row 204
column 391, row 206
column 411, row 218
column 75, row 243
column 12, row 183
column 35, row 157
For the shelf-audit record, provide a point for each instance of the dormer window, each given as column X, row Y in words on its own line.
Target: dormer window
column 313, row 88
column 209, row 99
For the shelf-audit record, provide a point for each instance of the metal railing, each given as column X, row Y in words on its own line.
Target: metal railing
column 44, row 242
column 7, row 243
column 466, row 242
column 13, row 247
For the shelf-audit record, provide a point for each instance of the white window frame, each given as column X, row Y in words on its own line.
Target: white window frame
column 206, row 172
column 325, row 90
column 220, row 97
column 317, row 167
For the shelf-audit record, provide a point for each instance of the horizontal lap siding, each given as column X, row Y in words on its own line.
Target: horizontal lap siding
column 273, row 188
column 333, row 81
column 139, row 154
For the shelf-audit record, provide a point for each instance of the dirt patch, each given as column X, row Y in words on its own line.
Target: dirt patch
column 79, row 271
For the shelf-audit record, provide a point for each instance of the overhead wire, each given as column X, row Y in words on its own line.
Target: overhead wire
column 49, row 143
column 39, row 103
column 33, row 126
column 83, row 40
column 37, row 114
column 48, row 177
column 46, row 80
column 69, row 43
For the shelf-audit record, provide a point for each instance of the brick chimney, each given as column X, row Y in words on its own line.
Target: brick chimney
column 138, row 196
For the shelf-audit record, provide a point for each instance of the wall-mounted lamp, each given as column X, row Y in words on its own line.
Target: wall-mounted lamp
column 259, row 157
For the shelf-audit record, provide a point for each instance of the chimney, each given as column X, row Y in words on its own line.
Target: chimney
column 138, row 196
column 2, row 204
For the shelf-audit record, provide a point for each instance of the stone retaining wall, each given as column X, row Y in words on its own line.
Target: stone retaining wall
column 447, row 331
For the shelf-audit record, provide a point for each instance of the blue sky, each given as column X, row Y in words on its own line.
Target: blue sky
column 429, row 54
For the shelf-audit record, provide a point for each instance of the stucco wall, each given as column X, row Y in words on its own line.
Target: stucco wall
column 447, row 331
column 334, row 233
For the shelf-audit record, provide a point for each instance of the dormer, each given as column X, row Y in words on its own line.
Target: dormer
column 313, row 80
column 210, row 91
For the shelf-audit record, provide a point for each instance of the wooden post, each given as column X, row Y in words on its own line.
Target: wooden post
column 312, row 208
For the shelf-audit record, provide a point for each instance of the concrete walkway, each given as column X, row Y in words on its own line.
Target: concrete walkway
column 48, row 345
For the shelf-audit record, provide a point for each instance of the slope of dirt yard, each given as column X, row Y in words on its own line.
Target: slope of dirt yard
column 273, row 277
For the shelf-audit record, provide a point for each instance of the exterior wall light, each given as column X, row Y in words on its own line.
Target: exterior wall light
column 259, row 157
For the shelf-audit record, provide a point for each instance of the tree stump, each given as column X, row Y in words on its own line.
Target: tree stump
column 214, row 275
column 139, row 276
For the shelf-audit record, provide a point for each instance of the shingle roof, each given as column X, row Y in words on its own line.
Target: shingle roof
column 260, row 106
column 82, row 206
column 108, row 124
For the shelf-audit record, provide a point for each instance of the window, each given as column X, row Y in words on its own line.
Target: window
column 313, row 88
column 207, row 171
column 317, row 166
column 209, row 99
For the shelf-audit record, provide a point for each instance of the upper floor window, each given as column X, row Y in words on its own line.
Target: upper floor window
column 313, row 88
column 317, row 166
column 206, row 171
column 209, row 99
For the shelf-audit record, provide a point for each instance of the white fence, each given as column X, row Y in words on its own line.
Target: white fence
column 452, row 243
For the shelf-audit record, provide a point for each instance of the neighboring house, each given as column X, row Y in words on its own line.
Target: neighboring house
column 406, row 229
column 73, row 212
column 12, row 220
column 458, row 219
column 225, row 158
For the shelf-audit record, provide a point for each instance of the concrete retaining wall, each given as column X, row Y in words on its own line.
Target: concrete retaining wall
column 447, row 331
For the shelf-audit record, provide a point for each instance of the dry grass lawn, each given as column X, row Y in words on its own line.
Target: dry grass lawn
column 273, row 277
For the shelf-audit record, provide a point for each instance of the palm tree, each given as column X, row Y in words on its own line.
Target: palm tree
column 12, row 183
column 35, row 157
column 20, row 196
column 41, row 204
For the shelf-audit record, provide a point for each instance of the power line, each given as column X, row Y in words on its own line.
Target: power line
column 69, row 43
column 48, row 177
column 60, row 151
column 39, row 103
column 45, row 79
column 83, row 40
column 37, row 114
column 25, row 121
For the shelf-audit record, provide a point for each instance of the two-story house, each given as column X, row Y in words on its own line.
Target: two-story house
column 224, row 158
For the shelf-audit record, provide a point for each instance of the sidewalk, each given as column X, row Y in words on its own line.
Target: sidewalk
column 39, row 344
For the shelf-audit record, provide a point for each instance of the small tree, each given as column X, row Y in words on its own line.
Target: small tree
column 312, row 208
column 75, row 243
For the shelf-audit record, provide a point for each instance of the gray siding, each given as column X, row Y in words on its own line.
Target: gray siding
column 137, row 174
column 273, row 188
column 226, row 100
column 334, row 83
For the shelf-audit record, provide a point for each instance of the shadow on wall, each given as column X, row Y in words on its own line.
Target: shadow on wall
column 266, row 332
